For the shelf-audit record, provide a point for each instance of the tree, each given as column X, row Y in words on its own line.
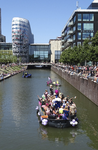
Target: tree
column 95, row 40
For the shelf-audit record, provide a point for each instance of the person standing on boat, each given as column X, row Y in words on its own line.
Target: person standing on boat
column 49, row 78
column 46, row 93
column 51, row 90
column 57, row 93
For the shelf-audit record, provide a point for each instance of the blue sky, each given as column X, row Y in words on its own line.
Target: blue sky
column 47, row 17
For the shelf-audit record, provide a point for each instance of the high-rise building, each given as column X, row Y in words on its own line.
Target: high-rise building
column 82, row 24
column 2, row 37
column 21, row 38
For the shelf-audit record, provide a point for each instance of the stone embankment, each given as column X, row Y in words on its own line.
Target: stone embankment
column 86, row 86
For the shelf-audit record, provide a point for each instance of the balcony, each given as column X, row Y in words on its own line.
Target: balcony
column 63, row 34
column 70, row 32
column 62, row 46
column 66, row 44
column 70, row 24
column 63, row 41
column 70, row 40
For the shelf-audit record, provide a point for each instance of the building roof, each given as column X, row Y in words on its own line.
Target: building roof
column 79, row 10
column 35, row 44
column 95, row 1
column 92, row 8
column 94, row 5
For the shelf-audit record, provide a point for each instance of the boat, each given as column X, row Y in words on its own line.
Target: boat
column 56, row 83
column 38, row 66
column 49, row 82
column 26, row 75
column 53, row 121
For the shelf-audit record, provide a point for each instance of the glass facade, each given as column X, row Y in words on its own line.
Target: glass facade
column 74, row 28
column 88, row 26
column 74, row 37
column 79, row 26
column 84, row 25
column 74, row 19
column 79, row 36
column 39, row 53
column 57, row 55
column 5, row 46
column 88, row 17
column 79, row 17
column 21, row 38
column 78, row 43
column 87, row 35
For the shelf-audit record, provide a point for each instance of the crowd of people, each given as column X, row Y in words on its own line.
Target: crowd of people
column 86, row 72
column 56, row 106
column 10, row 69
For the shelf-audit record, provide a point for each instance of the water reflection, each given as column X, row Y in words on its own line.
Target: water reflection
column 53, row 134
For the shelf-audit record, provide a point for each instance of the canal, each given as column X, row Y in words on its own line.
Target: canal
column 19, row 126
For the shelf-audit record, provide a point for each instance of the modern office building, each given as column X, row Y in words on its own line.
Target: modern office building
column 21, row 38
column 39, row 53
column 5, row 46
column 55, row 46
column 82, row 24
column 2, row 37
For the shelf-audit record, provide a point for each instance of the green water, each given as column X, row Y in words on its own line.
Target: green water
column 19, row 126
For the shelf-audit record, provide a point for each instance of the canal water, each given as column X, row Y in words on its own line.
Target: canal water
column 19, row 126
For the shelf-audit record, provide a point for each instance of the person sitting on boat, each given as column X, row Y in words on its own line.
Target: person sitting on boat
column 70, row 101
column 66, row 113
column 43, row 99
column 73, row 110
column 52, row 113
column 61, row 110
column 54, row 83
column 57, row 82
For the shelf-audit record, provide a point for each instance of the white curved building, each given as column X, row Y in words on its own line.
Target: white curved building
column 21, row 38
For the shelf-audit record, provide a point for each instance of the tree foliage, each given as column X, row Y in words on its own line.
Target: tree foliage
column 6, row 56
column 79, row 54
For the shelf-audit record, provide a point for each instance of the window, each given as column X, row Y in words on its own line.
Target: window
column 74, row 37
column 91, row 17
column 74, row 28
column 74, row 19
column 79, row 17
column 85, row 17
column 88, row 17
column 78, row 43
column 88, row 26
column 57, row 55
column 79, row 36
column 87, row 35
column 79, row 26
column 74, row 44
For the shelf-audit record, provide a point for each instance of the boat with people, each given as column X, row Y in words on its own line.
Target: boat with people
column 55, row 110
column 26, row 75
column 49, row 81
column 56, row 83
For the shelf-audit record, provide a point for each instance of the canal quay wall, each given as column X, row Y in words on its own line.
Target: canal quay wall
column 85, row 86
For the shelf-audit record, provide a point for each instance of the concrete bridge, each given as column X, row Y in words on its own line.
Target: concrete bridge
column 37, row 65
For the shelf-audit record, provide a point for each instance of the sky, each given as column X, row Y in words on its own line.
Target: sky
column 47, row 18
